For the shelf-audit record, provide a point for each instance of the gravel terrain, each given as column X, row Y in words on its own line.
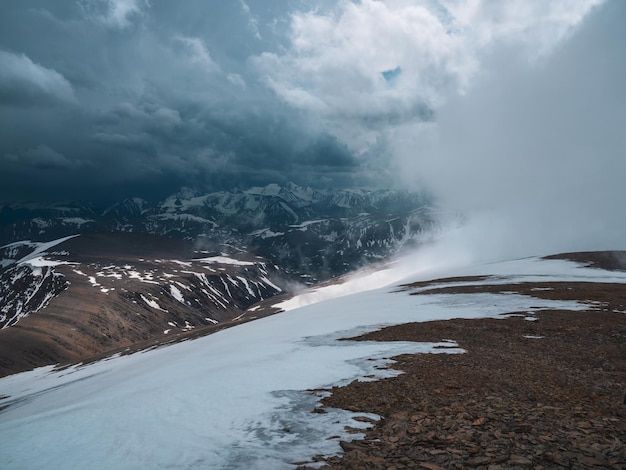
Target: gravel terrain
column 548, row 393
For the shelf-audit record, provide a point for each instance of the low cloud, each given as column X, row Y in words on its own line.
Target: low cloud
column 532, row 154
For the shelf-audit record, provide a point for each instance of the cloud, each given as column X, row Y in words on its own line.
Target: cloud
column 252, row 21
column 220, row 94
column 41, row 157
column 237, row 80
column 25, row 83
column 198, row 54
column 363, row 70
column 160, row 117
column 336, row 61
column 114, row 13
column 532, row 154
column 536, row 25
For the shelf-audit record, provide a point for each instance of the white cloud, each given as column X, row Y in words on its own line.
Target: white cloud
column 198, row 54
column 23, row 82
column 253, row 25
column 536, row 24
column 237, row 80
column 339, row 58
column 533, row 155
column 390, row 60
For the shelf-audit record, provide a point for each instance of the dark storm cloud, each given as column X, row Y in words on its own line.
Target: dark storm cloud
column 119, row 96
column 136, row 92
column 40, row 157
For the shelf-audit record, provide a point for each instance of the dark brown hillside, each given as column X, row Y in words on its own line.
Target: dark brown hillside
column 123, row 291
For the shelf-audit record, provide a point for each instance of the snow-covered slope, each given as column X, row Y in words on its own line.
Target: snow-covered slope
column 239, row 398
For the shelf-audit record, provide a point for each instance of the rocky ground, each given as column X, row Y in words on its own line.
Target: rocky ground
column 548, row 393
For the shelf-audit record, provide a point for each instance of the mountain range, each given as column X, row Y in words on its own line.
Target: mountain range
column 317, row 234
column 79, row 280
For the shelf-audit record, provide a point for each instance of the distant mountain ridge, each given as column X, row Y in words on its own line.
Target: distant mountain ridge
column 77, row 279
column 320, row 233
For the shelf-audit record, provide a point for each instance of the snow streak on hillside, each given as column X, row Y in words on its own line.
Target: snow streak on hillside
column 29, row 282
column 238, row 398
column 195, row 291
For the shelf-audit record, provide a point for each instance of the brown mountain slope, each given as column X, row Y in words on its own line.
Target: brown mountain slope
column 118, row 291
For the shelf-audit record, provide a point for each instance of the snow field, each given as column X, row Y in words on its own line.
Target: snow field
column 237, row 398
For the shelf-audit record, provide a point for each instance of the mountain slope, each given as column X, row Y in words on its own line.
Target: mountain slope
column 238, row 398
column 81, row 296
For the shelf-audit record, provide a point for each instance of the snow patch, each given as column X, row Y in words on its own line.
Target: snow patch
column 270, row 283
column 177, row 294
column 152, row 303
column 266, row 233
column 40, row 262
column 79, row 221
column 225, row 260
column 42, row 247
column 305, row 224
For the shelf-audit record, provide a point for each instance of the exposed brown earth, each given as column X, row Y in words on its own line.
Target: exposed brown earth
column 612, row 260
column 84, row 325
column 86, row 321
column 537, row 394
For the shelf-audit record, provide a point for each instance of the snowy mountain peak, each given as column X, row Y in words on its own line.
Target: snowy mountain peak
column 187, row 193
column 269, row 190
column 290, row 193
column 130, row 207
column 354, row 226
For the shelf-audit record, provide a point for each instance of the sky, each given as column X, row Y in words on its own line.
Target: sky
column 140, row 97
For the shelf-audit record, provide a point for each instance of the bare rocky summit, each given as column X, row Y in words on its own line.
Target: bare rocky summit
column 546, row 393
